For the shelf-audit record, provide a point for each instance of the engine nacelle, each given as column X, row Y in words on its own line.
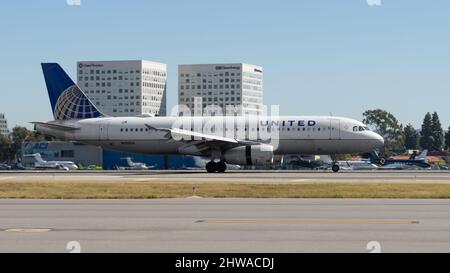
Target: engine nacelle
column 250, row 155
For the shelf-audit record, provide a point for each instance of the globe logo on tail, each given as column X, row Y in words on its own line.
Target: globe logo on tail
column 73, row 104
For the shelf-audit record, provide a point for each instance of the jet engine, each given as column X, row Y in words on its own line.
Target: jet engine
column 250, row 155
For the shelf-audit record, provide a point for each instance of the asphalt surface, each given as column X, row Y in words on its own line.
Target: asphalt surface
column 232, row 177
column 225, row 225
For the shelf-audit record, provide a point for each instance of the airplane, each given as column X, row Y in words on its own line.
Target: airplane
column 238, row 140
column 54, row 165
column 134, row 166
column 414, row 162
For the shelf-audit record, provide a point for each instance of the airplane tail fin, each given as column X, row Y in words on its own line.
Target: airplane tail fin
column 66, row 98
column 422, row 156
column 36, row 157
column 129, row 161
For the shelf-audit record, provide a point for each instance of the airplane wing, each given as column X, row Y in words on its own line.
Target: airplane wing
column 200, row 144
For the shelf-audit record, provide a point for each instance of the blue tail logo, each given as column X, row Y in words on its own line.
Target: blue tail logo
column 67, row 99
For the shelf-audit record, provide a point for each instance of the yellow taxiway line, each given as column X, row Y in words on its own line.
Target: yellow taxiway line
column 310, row 221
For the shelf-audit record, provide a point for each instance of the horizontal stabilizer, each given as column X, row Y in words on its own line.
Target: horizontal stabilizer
column 56, row 126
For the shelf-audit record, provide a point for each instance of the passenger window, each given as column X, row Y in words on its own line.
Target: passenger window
column 355, row 129
column 361, row 129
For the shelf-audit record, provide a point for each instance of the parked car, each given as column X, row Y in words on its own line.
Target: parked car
column 4, row 167
column 18, row 167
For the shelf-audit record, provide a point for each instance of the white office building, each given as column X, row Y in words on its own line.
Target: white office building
column 3, row 125
column 239, row 85
column 125, row 88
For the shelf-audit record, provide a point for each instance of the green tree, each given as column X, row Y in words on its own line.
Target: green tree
column 447, row 139
column 426, row 135
column 437, row 133
column 5, row 149
column 411, row 138
column 387, row 126
column 21, row 134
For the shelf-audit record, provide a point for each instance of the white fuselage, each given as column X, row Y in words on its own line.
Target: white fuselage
column 288, row 134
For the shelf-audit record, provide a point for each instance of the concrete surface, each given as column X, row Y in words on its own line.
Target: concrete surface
column 225, row 225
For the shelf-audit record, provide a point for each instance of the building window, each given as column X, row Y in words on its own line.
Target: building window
column 68, row 153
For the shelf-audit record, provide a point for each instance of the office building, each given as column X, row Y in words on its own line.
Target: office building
column 125, row 88
column 3, row 125
column 80, row 154
column 238, row 85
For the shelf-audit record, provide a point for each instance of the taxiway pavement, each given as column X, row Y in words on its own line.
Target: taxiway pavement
column 225, row 225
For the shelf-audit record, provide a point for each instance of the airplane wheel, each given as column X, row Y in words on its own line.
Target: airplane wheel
column 335, row 168
column 221, row 167
column 211, row 167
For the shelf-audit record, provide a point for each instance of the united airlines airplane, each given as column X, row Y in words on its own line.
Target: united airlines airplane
column 240, row 140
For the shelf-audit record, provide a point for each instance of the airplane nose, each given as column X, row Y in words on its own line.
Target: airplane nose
column 379, row 141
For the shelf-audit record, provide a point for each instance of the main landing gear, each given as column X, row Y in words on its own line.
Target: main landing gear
column 216, row 167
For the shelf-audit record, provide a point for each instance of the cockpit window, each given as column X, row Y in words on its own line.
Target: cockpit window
column 360, row 129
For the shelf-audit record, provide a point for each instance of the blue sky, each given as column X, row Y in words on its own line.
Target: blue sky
column 319, row 56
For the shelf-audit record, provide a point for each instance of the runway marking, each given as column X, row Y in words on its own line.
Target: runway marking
column 300, row 180
column 310, row 221
column 28, row 230
column 145, row 179
column 195, row 197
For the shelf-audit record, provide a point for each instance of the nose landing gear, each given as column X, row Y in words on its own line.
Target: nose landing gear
column 335, row 168
column 216, row 167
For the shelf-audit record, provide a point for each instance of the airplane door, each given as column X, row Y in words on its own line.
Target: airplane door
column 335, row 129
column 104, row 131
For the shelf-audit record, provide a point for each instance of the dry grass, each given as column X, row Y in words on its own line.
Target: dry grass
column 134, row 190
